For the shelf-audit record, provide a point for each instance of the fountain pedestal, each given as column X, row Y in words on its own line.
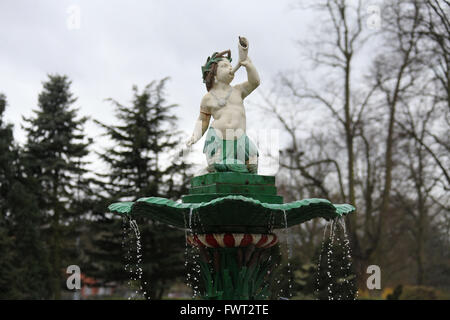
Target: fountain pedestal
column 234, row 265
column 230, row 218
column 221, row 184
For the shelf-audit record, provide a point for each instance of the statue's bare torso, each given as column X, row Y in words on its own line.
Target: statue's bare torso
column 229, row 121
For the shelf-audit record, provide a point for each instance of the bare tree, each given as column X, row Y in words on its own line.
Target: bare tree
column 434, row 30
column 394, row 73
column 419, row 192
column 435, row 27
column 361, row 132
column 333, row 53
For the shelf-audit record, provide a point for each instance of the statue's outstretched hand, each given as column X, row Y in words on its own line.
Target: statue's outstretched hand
column 190, row 142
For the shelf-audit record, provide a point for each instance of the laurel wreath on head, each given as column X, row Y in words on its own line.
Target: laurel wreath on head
column 215, row 58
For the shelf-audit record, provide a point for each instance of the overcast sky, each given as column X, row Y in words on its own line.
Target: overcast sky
column 121, row 43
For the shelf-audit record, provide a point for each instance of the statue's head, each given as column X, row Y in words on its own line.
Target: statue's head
column 217, row 66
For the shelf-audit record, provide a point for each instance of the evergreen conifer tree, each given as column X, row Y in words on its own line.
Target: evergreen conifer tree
column 7, row 275
column 24, row 257
column 7, row 155
column 139, row 166
column 54, row 158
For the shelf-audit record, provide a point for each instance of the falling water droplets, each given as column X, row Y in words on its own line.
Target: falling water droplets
column 337, row 278
column 192, row 254
column 329, row 260
column 127, row 243
column 289, row 253
column 137, row 272
column 348, row 257
column 319, row 263
column 186, row 248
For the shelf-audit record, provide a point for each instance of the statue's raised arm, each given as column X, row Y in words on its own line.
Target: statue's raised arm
column 253, row 80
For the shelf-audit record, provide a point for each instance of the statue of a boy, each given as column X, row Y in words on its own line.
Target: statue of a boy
column 227, row 147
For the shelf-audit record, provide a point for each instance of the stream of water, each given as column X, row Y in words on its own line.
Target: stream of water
column 134, row 253
column 339, row 278
column 289, row 254
column 192, row 256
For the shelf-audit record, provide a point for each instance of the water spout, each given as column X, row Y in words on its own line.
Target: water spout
column 289, row 253
column 137, row 275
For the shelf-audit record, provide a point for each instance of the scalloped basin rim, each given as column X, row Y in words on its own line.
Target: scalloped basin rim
column 231, row 214
column 125, row 207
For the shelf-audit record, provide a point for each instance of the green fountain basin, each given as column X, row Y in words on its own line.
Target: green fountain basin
column 229, row 202
column 233, row 213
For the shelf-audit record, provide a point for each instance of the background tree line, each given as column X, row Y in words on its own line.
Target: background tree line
column 54, row 214
column 382, row 140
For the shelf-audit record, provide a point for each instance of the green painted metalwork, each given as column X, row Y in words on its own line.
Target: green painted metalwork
column 235, row 189
column 237, row 214
column 230, row 202
column 221, row 184
column 235, row 273
column 207, row 197
column 232, row 178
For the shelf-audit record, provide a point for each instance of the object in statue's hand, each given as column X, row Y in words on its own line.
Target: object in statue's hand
column 243, row 52
column 243, row 48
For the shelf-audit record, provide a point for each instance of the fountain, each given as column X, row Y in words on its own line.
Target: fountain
column 231, row 212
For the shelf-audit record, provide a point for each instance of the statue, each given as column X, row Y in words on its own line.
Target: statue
column 227, row 147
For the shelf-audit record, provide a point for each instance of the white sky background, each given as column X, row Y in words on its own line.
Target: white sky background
column 121, row 43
